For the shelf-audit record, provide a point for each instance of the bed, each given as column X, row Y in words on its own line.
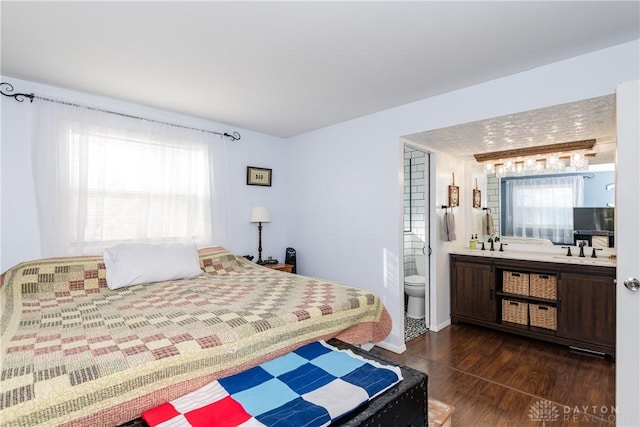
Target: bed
column 77, row 353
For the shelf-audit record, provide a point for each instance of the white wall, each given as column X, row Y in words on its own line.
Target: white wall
column 475, row 174
column 439, row 283
column 346, row 219
column 19, row 228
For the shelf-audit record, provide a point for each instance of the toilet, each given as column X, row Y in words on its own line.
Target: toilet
column 414, row 287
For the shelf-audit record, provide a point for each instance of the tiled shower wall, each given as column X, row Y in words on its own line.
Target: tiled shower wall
column 414, row 206
column 493, row 200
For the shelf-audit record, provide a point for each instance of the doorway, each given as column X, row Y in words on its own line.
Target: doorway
column 416, row 220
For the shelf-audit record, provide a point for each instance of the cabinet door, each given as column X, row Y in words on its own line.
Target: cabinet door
column 473, row 291
column 587, row 308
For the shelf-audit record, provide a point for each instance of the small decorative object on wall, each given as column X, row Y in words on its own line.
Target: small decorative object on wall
column 454, row 192
column 258, row 176
column 453, row 195
column 476, row 196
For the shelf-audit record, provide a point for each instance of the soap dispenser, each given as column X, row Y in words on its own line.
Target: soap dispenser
column 472, row 243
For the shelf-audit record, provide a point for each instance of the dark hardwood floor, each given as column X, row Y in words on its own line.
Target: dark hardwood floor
column 499, row 379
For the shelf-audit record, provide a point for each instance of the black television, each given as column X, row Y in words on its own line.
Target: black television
column 593, row 219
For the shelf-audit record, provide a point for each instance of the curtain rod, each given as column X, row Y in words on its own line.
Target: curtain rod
column 20, row 97
column 588, row 175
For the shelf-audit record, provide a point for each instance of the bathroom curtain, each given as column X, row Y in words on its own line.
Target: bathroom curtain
column 103, row 179
column 543, row 207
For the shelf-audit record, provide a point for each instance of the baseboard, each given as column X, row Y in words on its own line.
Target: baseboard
column 399, row 349
column 367, row 346
column 440, row 326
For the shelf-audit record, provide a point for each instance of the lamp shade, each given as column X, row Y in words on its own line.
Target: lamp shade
column 260, row 214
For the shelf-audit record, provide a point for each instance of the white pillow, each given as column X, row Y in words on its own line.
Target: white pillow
column 130, row 264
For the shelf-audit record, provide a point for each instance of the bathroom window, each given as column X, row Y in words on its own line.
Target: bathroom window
column 542, row 207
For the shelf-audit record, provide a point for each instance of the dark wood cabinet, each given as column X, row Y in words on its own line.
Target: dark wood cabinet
column 587, row 308
column 473, row 290
column 584, row 309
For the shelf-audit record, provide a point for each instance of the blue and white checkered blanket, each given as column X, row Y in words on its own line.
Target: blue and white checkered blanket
column 311, row 386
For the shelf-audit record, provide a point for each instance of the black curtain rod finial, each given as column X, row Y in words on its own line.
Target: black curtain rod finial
column 17, row 96
column 235, row 136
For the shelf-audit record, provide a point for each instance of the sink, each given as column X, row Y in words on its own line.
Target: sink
column 582, row 260
column 492, row 253
column 540, row 256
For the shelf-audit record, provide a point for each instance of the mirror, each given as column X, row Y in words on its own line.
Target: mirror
column 541, row 207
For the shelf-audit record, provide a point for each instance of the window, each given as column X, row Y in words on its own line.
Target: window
column 119, row 180
column 542, row 207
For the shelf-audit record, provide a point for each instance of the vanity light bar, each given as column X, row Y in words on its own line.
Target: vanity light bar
column 540, row 159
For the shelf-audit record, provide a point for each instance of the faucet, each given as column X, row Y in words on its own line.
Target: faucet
column 491, row 241
column 568, row 248
column 503, row 244
column 593, row 253
column 581, row 245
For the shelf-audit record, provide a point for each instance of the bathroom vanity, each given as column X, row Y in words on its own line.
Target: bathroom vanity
column 565, row 300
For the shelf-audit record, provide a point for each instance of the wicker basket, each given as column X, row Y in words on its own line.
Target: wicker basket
column 515, row 312
column 515, row 283
column 543, row 316
column 543, row 286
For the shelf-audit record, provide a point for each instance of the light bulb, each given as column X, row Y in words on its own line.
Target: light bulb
column 489, row 167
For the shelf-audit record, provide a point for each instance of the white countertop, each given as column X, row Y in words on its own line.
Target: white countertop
column 550, row 255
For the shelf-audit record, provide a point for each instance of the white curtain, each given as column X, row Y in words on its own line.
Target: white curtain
column 543, row 207
column 103, row 179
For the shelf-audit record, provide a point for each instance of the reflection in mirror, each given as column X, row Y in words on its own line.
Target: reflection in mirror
column 540, row 208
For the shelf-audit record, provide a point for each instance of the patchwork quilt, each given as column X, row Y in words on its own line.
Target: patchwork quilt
column 76, row 353
column 311, row 386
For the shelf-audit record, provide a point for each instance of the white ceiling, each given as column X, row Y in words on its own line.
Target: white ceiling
column 593, row 118
column 285, row 68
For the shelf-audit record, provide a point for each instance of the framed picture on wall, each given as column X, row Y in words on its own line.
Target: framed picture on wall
column 258, row 176
column 476, row 198
column 454, row 195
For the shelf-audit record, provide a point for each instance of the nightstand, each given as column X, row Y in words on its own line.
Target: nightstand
column 282, row 267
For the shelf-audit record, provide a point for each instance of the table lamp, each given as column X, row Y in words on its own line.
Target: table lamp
column 259, row 214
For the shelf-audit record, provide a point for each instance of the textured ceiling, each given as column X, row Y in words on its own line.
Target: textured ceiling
column 284, row 68
column 593, row 118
